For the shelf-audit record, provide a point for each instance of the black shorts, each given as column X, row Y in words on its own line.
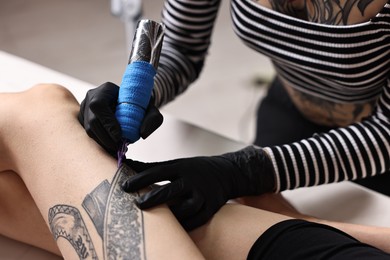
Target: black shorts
column 301, row 240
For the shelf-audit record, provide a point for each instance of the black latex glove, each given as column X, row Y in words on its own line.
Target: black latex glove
column 97, row 115
column 199, row 186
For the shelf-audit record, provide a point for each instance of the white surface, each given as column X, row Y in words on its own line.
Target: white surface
column 17, row 74
column 346, row 202
column 342, row 201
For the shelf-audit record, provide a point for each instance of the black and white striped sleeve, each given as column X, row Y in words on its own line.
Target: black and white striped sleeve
column 357, row 151
column 189, row 25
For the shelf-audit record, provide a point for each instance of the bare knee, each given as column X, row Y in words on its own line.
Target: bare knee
column 32, row 116
column 49, row 94
column 34, row 102
column 45, row 101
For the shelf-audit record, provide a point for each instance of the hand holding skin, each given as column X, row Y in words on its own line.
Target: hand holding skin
column 97, row 115
column 199, row 186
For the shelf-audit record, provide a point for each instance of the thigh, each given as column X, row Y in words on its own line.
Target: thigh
column 232, row 231
column 77, row 185
column 20, row 218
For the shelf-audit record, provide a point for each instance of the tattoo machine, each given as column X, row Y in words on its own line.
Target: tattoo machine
column 138, row 81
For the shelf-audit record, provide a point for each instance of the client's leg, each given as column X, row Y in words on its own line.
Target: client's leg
column 74, row 185
column 71, row 181
column 229, row 235
column 20, row 218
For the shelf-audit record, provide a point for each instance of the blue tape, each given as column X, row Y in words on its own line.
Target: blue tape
column 133, row 99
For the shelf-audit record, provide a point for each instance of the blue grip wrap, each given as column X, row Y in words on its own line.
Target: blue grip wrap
column 133, row 98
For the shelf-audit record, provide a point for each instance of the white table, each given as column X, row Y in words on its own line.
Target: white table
column 343, row 201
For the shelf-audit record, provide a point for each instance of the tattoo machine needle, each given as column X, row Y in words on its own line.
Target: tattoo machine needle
column 138, row 81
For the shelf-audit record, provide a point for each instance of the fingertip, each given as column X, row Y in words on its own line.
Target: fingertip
column 187, row 226
column 140, row 203
column 126, row 187
column 153, row 120
column 112, row 86
column 116, row 135
column 193, row 223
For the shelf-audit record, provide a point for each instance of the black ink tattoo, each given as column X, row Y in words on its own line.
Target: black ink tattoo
column 362, row 5
column 117, row 219
column 334, row 114
column 65, row 221
column 123, row 223
column 95, row 205
column 288, row 7
column 335, row 12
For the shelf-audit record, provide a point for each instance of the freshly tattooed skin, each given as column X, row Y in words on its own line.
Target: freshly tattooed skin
column 115, row 216
column 123, row 223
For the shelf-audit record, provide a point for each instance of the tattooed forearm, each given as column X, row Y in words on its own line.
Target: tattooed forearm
column 115, row 216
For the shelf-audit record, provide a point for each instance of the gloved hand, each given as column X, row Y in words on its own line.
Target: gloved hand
column 199, row 186
column 97, row 115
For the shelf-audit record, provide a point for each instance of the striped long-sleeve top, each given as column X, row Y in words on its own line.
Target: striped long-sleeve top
column 340, row 63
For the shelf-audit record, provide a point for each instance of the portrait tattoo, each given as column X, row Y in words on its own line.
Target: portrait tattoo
column 66, row 221
column 115, row 216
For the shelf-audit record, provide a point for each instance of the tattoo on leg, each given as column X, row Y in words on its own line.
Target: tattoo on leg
column 115, row 216
column 65, row 221
column 95, row 205
column 123, row 222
